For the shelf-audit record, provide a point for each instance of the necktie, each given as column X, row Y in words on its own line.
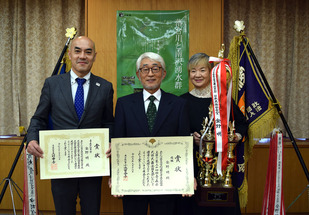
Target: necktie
column 151, row 112
column 79, row 97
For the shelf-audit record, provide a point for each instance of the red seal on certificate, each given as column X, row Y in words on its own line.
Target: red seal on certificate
column 54, row 166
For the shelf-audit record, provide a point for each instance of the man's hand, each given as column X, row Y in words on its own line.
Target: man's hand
column 110, row 186
column 34, row 149
column 109, row 151
column 195, row 186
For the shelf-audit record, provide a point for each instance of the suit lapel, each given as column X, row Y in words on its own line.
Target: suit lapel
column 165, row 107
column 93, row 91
column 138, row 109
column 66, row 89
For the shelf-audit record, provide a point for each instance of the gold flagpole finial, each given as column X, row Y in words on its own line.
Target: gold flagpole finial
column 239, row 26
column 71, row 32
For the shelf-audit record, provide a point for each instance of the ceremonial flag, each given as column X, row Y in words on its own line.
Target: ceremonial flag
column 253, row 99
column 65, row 65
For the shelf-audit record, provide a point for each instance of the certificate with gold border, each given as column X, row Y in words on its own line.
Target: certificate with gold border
column 74, row 153
column 152, row 166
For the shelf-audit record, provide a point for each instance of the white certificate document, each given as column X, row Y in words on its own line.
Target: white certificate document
column 74, row 153
column 152, row 166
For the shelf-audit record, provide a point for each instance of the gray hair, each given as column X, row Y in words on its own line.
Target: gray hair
column 198, row 59
column 151, row 56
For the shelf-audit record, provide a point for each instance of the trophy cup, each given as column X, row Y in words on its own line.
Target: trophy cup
column 214, row 189
column 207, row 179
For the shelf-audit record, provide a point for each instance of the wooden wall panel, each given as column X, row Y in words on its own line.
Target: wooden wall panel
column 205, row 28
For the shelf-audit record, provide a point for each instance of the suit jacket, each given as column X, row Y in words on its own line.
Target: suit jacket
column 172, row 118
column 56, row 100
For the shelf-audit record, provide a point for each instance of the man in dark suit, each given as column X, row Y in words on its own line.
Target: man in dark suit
column 57, row 101
column 171, row 119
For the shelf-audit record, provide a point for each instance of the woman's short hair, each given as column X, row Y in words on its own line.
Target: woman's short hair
column 199, row 58
column 151, row 56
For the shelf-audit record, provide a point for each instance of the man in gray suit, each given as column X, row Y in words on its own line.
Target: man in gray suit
column 57, row 101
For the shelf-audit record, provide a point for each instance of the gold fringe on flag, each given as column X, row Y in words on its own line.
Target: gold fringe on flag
column 257, row 129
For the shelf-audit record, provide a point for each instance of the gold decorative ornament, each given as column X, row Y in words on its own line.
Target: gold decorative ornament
column 71, row 32
column 152, row 141
column 207, row 158
column 241, row 167
column 228, row 177
column 209, row 148
column 239, row 26
column 221, row 51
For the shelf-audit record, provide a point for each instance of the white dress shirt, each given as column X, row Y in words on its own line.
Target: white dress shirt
column 74, row 85
column 157, row 95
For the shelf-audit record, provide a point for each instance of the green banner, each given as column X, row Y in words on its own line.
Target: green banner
column 163, row 32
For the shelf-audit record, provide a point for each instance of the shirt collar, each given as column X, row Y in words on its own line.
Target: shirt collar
column 74, row 76
column 157, row 94
column 202, row 93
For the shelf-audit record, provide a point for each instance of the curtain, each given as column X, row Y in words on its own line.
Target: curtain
column 32, row 38
column 278, row 32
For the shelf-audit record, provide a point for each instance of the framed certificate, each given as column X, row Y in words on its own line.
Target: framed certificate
column 152, row 165
column 74, row 153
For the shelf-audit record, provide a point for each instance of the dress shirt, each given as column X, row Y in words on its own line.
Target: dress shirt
column 74, row 85
column 146, row 95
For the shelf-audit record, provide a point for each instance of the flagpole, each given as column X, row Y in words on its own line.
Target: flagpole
column 300, row 158
column 61, row 56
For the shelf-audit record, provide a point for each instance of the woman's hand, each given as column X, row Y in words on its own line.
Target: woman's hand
column 196, row 138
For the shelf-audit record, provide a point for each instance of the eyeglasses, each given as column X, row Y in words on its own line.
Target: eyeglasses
column 154, row 70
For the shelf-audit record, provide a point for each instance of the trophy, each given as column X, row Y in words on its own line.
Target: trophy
column 215, row 189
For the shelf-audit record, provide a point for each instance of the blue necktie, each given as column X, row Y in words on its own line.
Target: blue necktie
column 79, row 97
column 151, row 112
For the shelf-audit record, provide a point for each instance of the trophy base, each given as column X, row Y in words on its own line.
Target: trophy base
column 215, row 196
